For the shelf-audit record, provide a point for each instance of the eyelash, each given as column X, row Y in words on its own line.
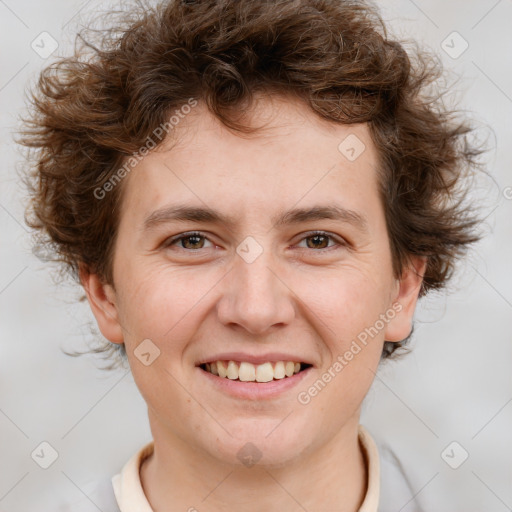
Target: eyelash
column 171, row 241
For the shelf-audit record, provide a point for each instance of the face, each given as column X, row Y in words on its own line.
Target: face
column 279, row 278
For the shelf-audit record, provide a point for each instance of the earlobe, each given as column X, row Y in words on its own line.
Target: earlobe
column 103, row 305
column 405, row 300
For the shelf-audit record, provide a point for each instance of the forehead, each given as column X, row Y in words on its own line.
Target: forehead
column 296, row 158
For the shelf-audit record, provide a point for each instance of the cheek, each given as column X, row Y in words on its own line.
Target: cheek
column 159, row 306
column 346, row 314
column 159, row 302
column 347, row 300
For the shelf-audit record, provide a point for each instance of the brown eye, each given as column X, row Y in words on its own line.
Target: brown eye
column 320, row 241
column 190, row 241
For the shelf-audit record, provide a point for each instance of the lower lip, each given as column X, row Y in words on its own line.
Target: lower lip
column 255, row 390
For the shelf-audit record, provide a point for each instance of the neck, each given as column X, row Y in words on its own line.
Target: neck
column 331, row 477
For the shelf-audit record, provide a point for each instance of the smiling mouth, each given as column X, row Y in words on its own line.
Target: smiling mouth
column 248, row 372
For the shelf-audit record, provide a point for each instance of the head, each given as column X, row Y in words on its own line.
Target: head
column 319, row 190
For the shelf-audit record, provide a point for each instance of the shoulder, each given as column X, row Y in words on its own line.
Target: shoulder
column 97, row 495
column 392, row 485
column 396, row 482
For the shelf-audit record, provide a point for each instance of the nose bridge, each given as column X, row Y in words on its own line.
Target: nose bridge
column 256, row 298
column 256, row 278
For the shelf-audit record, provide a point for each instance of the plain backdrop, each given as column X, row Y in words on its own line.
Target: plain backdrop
column 455, row 386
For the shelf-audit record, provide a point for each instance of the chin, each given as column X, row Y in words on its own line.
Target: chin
column 260, row 442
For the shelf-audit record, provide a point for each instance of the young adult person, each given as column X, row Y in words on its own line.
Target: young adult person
column 253, row 195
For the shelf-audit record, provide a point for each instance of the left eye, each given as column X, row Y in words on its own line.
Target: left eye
column 318, row 240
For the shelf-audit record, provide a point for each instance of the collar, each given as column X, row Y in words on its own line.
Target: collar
column 131, row 498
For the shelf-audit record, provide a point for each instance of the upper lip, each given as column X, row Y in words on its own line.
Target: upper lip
column 254, row 359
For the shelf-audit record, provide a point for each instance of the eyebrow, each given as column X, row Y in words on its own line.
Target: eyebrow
column 188, row 213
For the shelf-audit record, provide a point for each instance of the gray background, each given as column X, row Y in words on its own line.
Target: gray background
column 456, row 385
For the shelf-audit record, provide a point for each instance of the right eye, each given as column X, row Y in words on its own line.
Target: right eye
column 189, row 241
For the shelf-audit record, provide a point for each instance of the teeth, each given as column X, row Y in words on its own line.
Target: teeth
column 232, row 370
column 289, row 368
column 221, row 369
column 247, row 372
column 264, row 372
column 279, row 372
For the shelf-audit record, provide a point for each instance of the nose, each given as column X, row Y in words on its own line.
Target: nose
column 256, row 296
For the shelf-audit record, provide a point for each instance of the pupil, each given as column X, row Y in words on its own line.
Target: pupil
column 192, row 237
column 317, row 237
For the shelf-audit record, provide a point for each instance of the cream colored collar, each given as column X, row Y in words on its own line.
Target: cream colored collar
column 131, row 498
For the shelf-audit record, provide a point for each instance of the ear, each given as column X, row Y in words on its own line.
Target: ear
column 102, row 300
column 405, row 299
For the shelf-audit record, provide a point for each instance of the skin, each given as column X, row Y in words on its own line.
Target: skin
column 293, row 298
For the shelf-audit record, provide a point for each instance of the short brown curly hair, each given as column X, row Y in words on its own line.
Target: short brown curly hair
column 93, row 110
